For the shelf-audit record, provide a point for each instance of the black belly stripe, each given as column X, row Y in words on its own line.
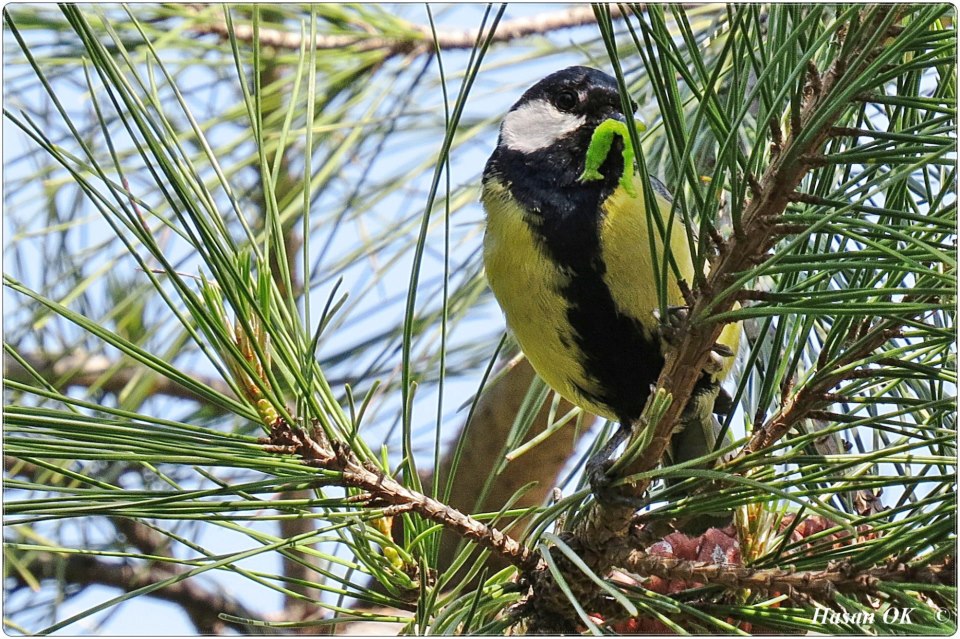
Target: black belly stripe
column 617, row 356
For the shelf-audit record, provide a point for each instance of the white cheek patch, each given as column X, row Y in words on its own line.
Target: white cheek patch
column 536, row 125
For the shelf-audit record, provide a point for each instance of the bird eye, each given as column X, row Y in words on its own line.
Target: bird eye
column 566, row 100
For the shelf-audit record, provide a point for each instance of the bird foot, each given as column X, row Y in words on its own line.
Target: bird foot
column 600, row 481
column 715, row 360
column 723, row 404
column 602, row 488
column 671, row 322
column 669, row 331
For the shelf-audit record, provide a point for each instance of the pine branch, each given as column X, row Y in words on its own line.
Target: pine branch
column 837, row 577
column 298, row 569
column 380, row 489
column 815, row 396
column 420, row 38
column 203, row 606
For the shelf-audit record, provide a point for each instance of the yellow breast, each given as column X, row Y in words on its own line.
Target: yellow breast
column 528, row 284
column 634, row 255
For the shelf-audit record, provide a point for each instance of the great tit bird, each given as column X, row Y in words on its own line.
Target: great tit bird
column 570, row 261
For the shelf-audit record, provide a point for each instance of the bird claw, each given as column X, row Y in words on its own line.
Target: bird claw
column 723, row 404
column 669, row 330
column 714, row 364
column 723, row 350
column 600, row 482
column 671, row 322
column 715, row 361
column 602, row 488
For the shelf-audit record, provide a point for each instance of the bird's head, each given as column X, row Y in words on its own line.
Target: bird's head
column 562, row 109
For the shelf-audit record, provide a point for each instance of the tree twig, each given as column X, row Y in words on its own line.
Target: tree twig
column 814, row 396
column 419, row 38
column 336, row 456
column 201, row 605
column 836, row 577
column 781, row 179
